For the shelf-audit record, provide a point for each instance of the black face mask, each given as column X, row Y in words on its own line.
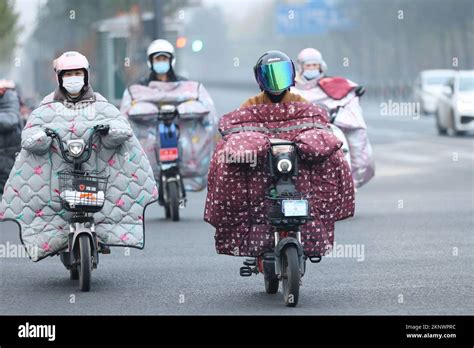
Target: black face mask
column 276, row 98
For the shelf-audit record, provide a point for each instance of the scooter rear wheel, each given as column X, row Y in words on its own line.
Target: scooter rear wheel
column 271, row 281
column 74, row 274
column 291, row 276
column 85, row 265
column 271, row 285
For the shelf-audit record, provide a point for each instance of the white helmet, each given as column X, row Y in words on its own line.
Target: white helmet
column 160, row 46
column 310, row 55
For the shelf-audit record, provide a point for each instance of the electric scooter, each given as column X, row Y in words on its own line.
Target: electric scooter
column 83, row 194
column 288, row 210
column 172, row 194
column 334, row 112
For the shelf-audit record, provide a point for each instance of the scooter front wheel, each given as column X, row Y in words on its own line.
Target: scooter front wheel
column 173, row 195
column 85, row 262
column 290, row 276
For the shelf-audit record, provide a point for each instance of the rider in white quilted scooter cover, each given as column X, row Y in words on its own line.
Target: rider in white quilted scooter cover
column 31, row 195
column 313, row 85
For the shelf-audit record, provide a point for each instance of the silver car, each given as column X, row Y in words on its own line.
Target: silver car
column 428, row 86
column 456, row 104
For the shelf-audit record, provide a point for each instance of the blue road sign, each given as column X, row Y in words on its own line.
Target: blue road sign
column 312, row 18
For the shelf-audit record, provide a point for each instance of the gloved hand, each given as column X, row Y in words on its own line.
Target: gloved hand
column 35, row 140
column 119, row 132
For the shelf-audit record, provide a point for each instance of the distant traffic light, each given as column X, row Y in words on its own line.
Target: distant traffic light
column 181, row 42
column 197, row 45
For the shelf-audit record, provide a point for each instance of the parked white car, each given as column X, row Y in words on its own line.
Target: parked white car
column 456, row 104
column 428, row 87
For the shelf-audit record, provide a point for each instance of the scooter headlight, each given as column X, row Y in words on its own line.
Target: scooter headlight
column 283, row 157
column 284, row 166
column 168, row 109
column 76, row 147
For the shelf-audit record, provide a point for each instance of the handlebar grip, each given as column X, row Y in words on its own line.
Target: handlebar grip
column 50, row 133
column 103, row 129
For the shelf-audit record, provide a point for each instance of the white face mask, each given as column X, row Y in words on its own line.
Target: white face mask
column 73, row 84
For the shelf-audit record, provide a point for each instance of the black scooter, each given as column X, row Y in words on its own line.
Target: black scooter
column 289, row 210
column 172, row 194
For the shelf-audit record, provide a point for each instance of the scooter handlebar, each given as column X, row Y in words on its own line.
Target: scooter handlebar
column 50, row 133
column 98, row 129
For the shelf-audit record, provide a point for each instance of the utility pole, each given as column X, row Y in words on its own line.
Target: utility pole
column 158, row 23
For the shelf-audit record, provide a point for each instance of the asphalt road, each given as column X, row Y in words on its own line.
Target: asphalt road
column 414, row 223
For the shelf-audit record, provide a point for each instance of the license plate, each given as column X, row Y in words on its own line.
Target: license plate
column 169, row 154
column 293, row 207
column 85, row 186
